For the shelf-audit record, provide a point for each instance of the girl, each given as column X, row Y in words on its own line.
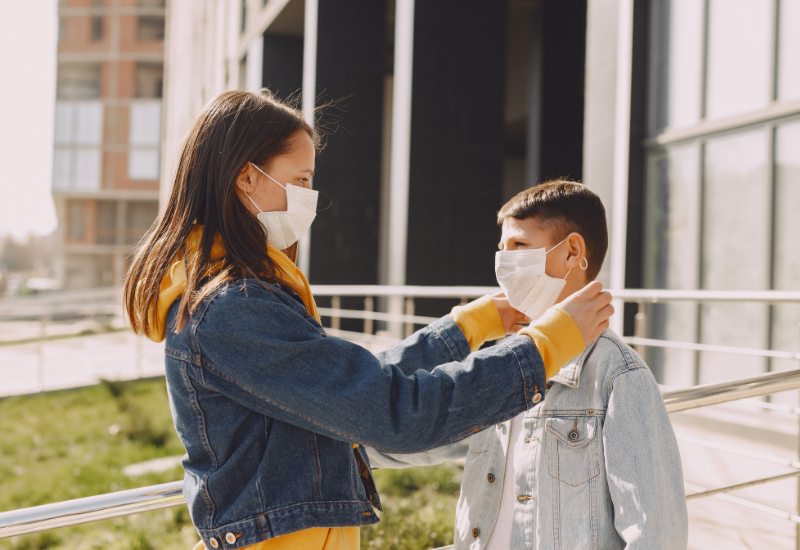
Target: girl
column 272, row 412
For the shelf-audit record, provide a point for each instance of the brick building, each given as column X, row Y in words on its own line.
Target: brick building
column 107, row 159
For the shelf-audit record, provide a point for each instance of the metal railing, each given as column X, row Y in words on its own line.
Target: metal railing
column 133, row 501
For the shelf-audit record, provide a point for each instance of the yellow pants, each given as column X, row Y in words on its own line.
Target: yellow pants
column 318, row 538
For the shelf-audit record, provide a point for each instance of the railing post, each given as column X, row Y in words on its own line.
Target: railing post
column 40, row 349
column 336, row 303
column 369, row 306
column 464, row 301
column 639, row 326
column 409, row 311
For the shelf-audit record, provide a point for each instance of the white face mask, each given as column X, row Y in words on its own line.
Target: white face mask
column 528, row 288
column 287, row 227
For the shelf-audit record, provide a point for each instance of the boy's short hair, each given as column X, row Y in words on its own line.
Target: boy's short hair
column 565, row 207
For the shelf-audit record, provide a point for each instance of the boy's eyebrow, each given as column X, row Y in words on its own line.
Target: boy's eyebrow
column 308, row 170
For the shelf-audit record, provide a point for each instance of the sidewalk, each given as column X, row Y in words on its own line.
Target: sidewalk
column 79, row 361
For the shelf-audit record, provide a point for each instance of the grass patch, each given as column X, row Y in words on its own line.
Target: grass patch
column 419, row 508
column 71, row 444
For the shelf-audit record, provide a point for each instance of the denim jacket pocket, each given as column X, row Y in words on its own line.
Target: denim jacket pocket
column 573, row 457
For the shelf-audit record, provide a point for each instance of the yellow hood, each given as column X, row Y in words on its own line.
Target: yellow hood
column 174, row 281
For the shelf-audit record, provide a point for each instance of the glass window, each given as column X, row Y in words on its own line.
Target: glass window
column 150, row 27
column 97, row 28
column 671, row 262
column 78, row 81
column 786, row 275
column 140, row 216
column 739, row 56
column 143, row 164
column 788, row 48
column 149, row 80
column 106, row 222
column 86, row 176
column 685, row 55
column 76, row 212
column 145, row 127
column 736, row 250
column 62, row 170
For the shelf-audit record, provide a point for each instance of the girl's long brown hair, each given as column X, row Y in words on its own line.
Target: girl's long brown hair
column 233, row 129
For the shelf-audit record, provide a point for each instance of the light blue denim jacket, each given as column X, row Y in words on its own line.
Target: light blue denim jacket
column 268, row 408
column 616, row 483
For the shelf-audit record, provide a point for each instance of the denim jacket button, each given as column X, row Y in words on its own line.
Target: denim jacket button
column 490, row 478
column 475, row 533
column 213, row 542
column 537, row 397
column 230, row 538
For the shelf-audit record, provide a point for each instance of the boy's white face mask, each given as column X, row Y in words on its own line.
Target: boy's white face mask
column 528, row 288
column 287, row 227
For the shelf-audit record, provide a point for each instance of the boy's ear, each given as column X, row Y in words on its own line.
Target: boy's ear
column 576, row 250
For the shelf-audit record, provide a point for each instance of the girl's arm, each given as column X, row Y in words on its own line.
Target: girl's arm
column 262, row 353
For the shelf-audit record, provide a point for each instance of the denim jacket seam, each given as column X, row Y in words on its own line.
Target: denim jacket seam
column 177, row 354
column 207, row 364
column 522, row 373
column 210, row 507
column 201, row 313
column 446, row 343
column 444, row 334
column 312, row 439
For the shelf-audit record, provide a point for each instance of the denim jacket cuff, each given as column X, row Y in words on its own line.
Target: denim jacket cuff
column 455, row 340
column 531, row 367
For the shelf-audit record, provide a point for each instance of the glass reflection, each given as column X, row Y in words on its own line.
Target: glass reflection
column 671, row 257
column 684, row 80
column 739, row 56
column 788, row 46
column 736, row 251
column 786, row 275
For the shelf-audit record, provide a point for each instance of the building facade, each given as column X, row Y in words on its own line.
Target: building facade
column 683, row 115
column 107, row 151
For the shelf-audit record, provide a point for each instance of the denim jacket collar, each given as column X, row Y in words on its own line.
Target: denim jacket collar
column 570, row 374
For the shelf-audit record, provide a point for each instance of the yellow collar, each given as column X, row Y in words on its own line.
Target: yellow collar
column 174, row 281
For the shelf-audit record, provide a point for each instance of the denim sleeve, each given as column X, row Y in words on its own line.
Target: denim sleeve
column 266, row 356
column 426, row 349
column 643, row 465
column 439, row 455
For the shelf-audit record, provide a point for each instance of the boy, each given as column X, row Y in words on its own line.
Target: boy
column 594, row 464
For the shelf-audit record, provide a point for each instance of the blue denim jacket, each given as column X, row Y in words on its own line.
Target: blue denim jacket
column 596, row 467
column 268, row 408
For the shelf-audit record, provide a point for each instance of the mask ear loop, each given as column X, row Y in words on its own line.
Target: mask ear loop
column 270, row 177
column 584, row 259
column 254, row 203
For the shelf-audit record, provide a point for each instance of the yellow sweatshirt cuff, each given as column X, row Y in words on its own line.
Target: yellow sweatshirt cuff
column 557, row 338
column 479, row 321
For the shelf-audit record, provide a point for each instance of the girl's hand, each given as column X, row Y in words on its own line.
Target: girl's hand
column 590, row 308
column 513, row 320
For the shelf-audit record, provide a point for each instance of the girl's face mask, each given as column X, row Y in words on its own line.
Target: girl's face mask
column 285, row 228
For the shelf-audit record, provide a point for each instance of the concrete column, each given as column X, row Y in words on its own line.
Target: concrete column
column 309, row 83
column 457, row 131
column 350, row 68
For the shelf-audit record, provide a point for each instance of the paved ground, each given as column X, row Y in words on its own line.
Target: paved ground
column 75, row 362
column 714, row 523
